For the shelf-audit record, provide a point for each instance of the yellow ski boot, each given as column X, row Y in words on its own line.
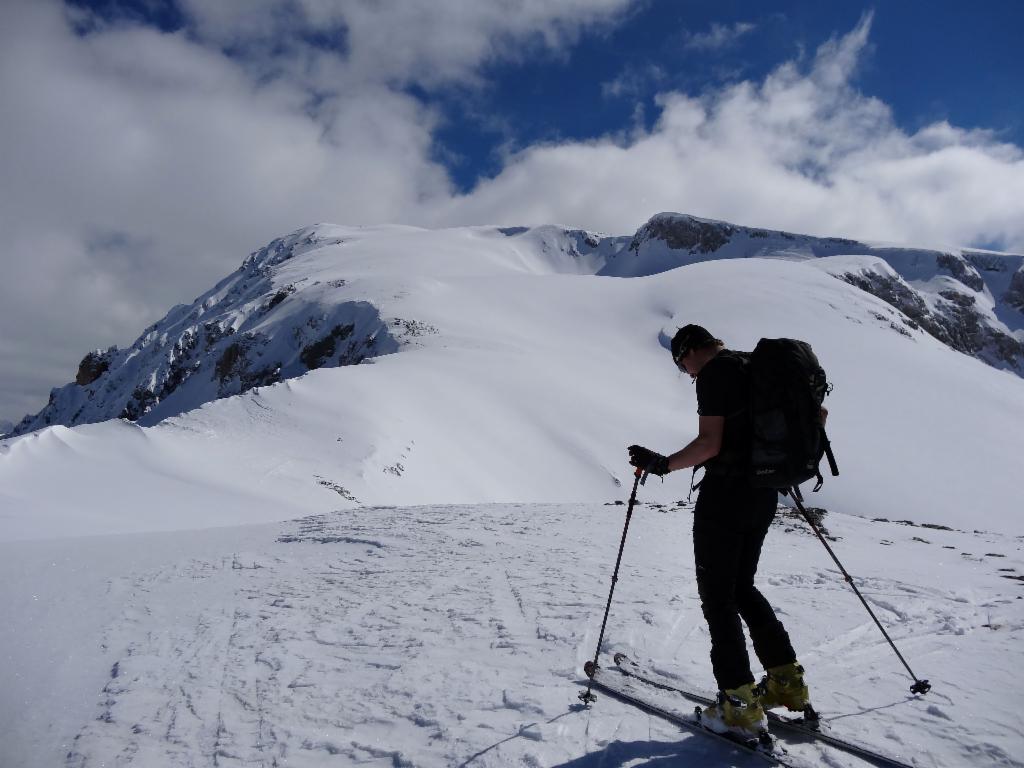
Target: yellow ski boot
column 737, row 713
column 784, row 686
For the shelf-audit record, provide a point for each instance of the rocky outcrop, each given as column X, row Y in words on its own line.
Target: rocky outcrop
column 319, row 352
column 141, row 401
column 232, row 362
column 684, row 233
column 248, row 331
column 1015, row 294
column 94, row 365
column 959, row 268
column 967, row 331
column 239, row 367
column 955, row 319
column 892, row 290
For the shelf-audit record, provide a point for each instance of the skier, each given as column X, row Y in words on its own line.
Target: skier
column 730, row 522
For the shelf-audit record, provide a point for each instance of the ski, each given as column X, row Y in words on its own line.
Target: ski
column 778, row 722
column 637, row 692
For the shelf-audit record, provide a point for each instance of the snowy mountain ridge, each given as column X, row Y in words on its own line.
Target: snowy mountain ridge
column 404, row 561
column 521, row 376
column 284, row 312
column 971, row 300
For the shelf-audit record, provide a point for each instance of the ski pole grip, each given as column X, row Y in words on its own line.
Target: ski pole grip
column 641, row 475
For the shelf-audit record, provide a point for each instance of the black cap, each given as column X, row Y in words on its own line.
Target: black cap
column 691, row 337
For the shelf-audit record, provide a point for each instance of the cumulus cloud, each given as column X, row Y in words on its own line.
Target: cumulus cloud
column 137, row 167
column 802, row 149
column 395, row 41
column 718, row 37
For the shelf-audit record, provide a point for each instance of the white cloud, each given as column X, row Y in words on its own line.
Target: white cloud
column 718, row 37
column 124, row 135
column 136, row 167
column 802, row 150
column 400, row 42
column 633, row 81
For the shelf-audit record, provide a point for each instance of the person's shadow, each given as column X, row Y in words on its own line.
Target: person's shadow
column 656, row 754
column 664, row 754
column 688, row 750
column 659, row 754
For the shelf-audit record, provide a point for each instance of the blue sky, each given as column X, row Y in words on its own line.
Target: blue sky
column 930, row 60
column 148, row 146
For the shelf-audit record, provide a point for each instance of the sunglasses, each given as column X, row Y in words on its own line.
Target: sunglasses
column 678, row 359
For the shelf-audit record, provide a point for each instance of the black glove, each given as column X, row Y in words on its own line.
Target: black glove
column 648, row 460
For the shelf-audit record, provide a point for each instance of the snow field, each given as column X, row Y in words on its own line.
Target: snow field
column 455, row 635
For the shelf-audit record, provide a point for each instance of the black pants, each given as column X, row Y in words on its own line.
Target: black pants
column 730, row 522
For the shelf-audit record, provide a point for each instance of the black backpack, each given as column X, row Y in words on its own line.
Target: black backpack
column 787, row 388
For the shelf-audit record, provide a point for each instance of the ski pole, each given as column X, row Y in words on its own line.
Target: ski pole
column 590, row 668
column 919, row 686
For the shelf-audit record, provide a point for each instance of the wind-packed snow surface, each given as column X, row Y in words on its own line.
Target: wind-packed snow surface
column 455, row 636
column 446, row 575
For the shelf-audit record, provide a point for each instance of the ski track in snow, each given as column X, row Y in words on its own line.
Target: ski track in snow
column 454, row 636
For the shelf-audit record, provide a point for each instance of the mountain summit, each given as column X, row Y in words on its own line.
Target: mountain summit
column 328, row 296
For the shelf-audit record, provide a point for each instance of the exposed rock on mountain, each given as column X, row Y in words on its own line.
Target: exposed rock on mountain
column 248, row 331
column 1015, row 293
column 684, row 233
column 316, row 299
column 971, row 300
column 94, row 365
column 959, row 268
column 953, row 314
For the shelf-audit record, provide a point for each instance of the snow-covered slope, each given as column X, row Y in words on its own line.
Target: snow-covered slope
column 455, row 636
column 971, row 300
column 529, row 390
column 331, row 296
column 162, row 615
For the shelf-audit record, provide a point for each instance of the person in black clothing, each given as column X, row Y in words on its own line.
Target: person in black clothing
column 730, row 522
